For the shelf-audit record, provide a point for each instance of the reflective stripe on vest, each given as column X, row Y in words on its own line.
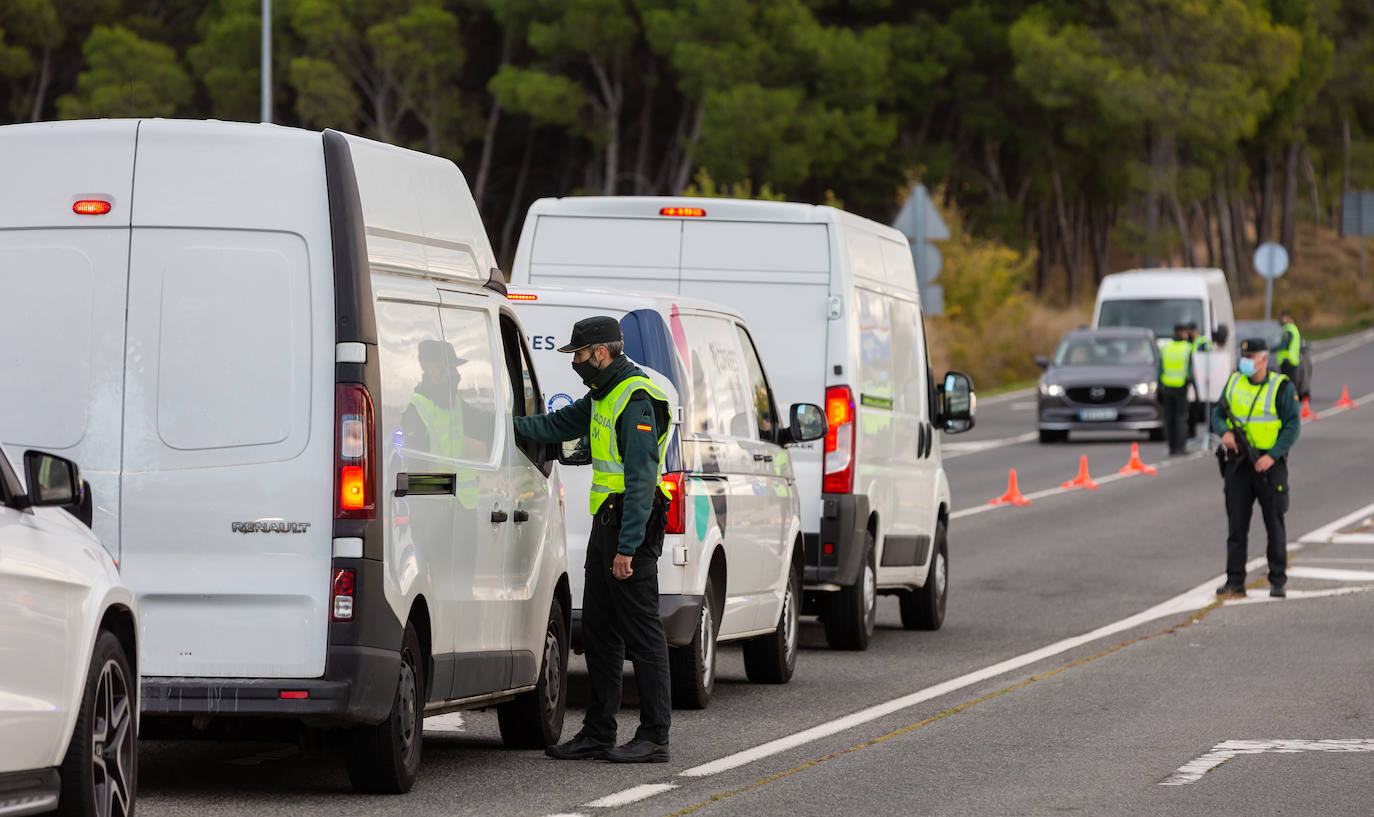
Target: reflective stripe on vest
column 608, row 467
column 1293, row 351
column 1174, row 357
column 1255, row 406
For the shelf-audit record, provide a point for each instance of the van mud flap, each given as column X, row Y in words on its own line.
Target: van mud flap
column 843, row 521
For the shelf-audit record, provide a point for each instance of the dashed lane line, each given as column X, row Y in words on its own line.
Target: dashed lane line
column 956, row 450
column 1354, row 343
column 631, row 795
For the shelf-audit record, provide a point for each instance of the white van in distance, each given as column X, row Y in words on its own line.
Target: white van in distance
column 1157, row 299
column 289, row 366
column 832, row 303
column 732, row 561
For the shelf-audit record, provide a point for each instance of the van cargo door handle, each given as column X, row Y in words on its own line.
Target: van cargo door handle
column 763, row 458
column 497, row 517
column 425, row 484
column 521, row 516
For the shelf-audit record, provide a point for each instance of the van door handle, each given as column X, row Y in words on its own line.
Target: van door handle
column 498, row 516
column 425, row 484
column 763, row 458
column 521, row 516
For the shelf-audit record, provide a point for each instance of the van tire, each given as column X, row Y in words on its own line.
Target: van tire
column 924, row 608
column 693, row 666
column 852, row 611
column 534, row 720
column 104, row 746
column 385, row 759
column 771, row 659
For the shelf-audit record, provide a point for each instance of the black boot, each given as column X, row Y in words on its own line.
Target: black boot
column 580, row 747
column 639, row 751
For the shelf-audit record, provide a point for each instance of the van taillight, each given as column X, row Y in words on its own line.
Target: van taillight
column 341, row 605
column 677, row 503
column 353, row 480
column 839, row 441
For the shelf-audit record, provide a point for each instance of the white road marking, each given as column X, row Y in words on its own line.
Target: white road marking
column 1010, row 395
column 1264, row 598
column 1360, row 402
column 956, row 450
column 1353, row 539
column 631, row 795
column 1193, row 770
column 1192, row 600
column 1357, row 342
column 1026, row 406
column 1325, row 533
column 447, row 724
column 568, row 814
column 1331, row 574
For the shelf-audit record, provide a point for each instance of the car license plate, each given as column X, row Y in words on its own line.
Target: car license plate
column 1097, row 415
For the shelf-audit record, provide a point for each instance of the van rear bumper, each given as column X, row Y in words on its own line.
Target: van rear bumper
column 359, row 686
column 844, row 520
column 679, row 613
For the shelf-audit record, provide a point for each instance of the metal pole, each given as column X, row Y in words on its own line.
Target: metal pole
column 266, row 60
column 1268, row 296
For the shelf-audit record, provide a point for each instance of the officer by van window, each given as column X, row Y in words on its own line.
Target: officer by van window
column 430, row 422
column 628, row 420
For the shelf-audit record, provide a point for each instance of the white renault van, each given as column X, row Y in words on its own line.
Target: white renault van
column 732, row 561
column 1156, row 299
column 832, row 302
column 288, row 364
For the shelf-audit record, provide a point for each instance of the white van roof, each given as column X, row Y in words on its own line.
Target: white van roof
column 1160, row 282
column 714, row 210
column 618, row 300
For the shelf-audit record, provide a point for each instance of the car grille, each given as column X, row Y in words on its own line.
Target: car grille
column 1098, row 394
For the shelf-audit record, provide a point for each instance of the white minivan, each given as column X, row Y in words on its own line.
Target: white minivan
column 287, row 362
column 732, row 561
column 832, row 302
column 1157, row 299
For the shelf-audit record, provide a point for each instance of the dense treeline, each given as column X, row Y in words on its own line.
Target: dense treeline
column 1166, row 129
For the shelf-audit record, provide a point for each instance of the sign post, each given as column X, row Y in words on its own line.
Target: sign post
column 1357, row 218
column 1271, row 261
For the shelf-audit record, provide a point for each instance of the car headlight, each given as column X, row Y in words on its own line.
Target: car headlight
column 1145, row 389
column 1051, row 389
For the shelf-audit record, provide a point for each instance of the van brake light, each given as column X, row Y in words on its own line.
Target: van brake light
column 689, row 212
column 839, row 441
column 354, row 441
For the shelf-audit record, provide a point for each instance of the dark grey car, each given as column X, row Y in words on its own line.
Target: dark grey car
column 1101, row 380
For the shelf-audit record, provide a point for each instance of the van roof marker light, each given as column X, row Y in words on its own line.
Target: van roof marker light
column 91, row 207
column 522, row 296
column 690, row 212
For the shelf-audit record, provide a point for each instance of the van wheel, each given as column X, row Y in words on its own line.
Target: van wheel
column 100, row 772
column 772, row 658
column 852, row 611
column 534, row 720
column 924, row 609
column 693, row 667
column 385, row 758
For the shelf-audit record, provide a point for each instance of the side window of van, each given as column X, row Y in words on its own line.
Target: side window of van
column 875, row 350
column 417, row 369
column 468, row 331
column 908, row 352
column 721, row 405
column 522, row 381
column 765, row 414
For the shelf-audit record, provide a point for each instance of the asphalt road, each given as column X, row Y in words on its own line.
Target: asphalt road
column 1083, row 664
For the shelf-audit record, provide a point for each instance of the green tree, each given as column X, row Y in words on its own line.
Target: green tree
column 126, row 75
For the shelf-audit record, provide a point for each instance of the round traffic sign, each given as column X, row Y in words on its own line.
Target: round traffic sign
column 1271, row 259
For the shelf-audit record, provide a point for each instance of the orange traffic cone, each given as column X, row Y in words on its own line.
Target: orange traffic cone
column 1345, row 401
column 1307, row 413
column 1135, row 466
column 1013, row 494
column 1082, row 480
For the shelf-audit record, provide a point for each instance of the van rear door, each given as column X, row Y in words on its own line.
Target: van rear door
column 63, row 277
column 229, row 405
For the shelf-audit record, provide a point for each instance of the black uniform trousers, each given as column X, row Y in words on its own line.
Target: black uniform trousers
column 620, row 619
column 1245, row 487
column 1175, row 403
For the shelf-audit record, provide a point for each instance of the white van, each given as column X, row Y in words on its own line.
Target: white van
column 289, row 368
column 732, row 561
column 1157, row 299
column 832, row 301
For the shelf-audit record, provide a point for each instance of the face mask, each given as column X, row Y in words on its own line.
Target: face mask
column 1247, row 366
column 586, row 370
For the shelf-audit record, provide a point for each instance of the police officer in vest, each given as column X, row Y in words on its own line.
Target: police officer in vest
column 1262, row 407
column 433, row 417
column 628, row 420
column 1289, row 355
column 1175, row 372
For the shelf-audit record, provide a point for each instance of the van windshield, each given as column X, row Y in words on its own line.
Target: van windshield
column 1156, row 314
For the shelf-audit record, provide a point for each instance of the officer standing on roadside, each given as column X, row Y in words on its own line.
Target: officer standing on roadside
column 1175, row 372
column 628, row 420
column 1258, row 423
column 1289, row 355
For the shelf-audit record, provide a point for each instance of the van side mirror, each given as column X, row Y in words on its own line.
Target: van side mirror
column 957, row 403
column 1220, row 334
column 576, row 452
column 1042, row 361
column 806, row 423
column 53, row 481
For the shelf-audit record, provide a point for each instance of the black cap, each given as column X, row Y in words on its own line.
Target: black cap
column 1192, row 326
column 437, row 352
column 591, row 331
column 1180, row 328
column 1251, row 346
column 1284, row 313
